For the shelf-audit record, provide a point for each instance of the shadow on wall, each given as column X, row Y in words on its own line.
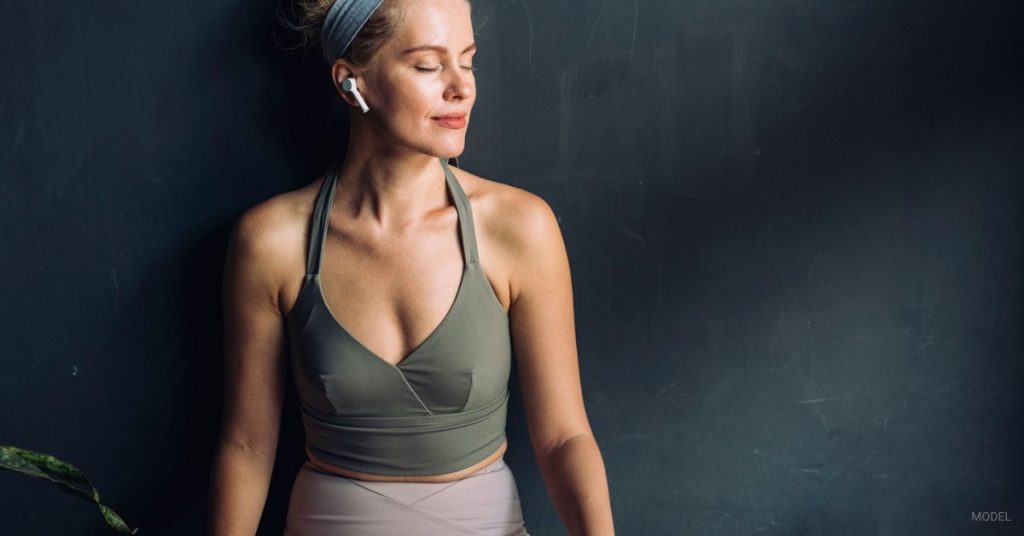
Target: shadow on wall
column 261, row 91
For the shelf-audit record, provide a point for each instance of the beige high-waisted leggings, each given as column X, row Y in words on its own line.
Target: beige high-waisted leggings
column 485, row 503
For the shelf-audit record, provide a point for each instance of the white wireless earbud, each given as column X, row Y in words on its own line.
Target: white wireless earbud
column 350, row 85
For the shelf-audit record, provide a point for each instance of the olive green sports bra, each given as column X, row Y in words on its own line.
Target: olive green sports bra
column 440, row 409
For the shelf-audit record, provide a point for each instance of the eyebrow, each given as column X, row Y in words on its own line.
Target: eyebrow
column 438, row 48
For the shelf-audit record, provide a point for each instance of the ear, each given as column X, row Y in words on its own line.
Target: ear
column 341, row 70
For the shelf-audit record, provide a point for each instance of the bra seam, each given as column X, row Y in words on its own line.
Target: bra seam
column 413, row 391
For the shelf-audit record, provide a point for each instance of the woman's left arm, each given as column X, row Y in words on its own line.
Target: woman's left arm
column 544, row 341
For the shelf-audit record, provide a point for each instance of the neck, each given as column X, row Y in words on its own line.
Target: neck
column 389, row 185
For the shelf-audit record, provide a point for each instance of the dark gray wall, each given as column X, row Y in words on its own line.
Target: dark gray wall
column 794, row 230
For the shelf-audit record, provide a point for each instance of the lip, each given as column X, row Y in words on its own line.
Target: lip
column 451, row 120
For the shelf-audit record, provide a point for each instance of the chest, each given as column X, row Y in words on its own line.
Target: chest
column 463, row 363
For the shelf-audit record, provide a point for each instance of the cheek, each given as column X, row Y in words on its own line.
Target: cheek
column 408, row 97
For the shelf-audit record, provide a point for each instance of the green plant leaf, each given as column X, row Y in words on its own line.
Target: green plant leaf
column 115, row 520
column 57, row 470
column 9, row 459
column 68, row 478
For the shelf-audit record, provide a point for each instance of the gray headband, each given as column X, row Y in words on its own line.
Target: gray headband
column 343, row 22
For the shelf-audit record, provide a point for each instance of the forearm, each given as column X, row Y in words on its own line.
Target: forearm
column 575, row 478
column 239, row 483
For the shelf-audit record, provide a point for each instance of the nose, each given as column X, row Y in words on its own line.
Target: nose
column 461, row 84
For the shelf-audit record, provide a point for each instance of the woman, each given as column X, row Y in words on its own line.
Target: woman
column 396, row 287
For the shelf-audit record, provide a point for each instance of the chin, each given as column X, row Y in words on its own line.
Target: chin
column 446, row 150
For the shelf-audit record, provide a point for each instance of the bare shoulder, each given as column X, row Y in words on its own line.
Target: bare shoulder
column 518, row 231
column 511, row 214
column 268, row 240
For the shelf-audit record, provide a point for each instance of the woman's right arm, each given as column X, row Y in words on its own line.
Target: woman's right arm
column 254, row 358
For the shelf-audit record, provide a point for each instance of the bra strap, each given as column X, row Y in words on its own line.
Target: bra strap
column 462, row 206
column 318, row 223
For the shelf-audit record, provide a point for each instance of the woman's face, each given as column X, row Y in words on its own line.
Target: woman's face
column 422, row 73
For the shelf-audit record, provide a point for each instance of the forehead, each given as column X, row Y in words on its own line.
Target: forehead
column 434, row 22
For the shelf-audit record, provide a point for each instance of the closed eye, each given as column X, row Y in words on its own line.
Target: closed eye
column 438, row 68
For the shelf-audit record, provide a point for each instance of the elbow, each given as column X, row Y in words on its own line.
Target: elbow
column 247, row 449
column 554, row 449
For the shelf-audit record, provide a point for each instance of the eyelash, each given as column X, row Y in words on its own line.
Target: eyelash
column 435, row 69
